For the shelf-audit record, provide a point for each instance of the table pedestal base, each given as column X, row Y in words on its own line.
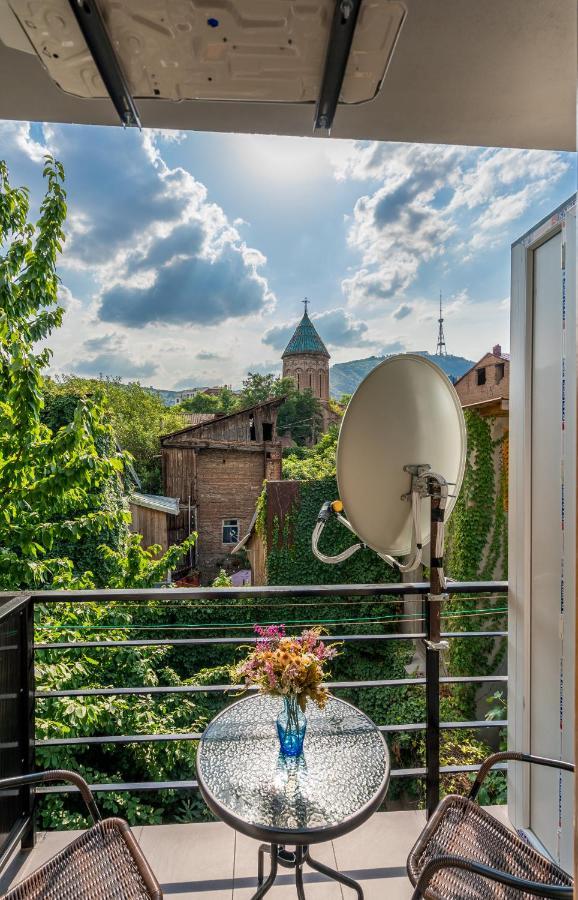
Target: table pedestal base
column 295, row 859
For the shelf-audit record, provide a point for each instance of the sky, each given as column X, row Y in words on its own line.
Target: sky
column 188, row 254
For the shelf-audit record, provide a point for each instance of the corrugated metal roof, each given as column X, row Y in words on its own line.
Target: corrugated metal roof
column 169, row 505
column 305, row 339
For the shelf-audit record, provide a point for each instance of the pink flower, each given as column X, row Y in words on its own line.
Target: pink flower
column 269, row 671
column 269, row 634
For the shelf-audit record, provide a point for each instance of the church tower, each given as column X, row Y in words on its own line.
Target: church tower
column 306, row 360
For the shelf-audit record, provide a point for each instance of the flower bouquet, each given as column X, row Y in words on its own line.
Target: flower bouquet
column 292, row 668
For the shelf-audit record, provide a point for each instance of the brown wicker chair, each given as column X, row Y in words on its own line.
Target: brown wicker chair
column 104, row 862
column 463, row 849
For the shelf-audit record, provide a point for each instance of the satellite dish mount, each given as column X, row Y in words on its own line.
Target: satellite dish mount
column 424, row 484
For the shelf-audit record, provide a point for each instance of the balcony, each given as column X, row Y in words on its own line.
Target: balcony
column 208, row 858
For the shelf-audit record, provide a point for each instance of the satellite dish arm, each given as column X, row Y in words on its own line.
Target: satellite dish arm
column 330, row 509
column 325, row 513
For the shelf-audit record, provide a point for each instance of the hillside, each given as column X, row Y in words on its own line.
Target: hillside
column 345, row 377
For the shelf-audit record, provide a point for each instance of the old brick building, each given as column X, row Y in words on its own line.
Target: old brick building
column 217, row 468
column 486, row 386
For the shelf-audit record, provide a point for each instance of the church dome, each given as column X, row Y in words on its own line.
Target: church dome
column 305, row 340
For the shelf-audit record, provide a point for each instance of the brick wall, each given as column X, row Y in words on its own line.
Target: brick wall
column 470, row 392
column 228, row 484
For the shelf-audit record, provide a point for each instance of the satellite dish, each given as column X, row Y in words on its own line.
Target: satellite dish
column 403, row 433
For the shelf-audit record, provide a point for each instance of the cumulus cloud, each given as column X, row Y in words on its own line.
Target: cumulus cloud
column 108, row 354
column 146, row 232
column 418, row 205
column 186, row 290
column 207, row 355
column 268, row 366
column 336, row 327
column 402, row 311
column 392, row 347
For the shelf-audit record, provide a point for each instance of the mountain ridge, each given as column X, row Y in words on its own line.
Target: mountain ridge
column 345, row 377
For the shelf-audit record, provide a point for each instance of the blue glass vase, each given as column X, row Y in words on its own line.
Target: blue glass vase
column 291, row 725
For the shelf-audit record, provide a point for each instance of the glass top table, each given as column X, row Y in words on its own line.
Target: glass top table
column 339, row 780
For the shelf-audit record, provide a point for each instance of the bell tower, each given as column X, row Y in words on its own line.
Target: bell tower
column 306, row 360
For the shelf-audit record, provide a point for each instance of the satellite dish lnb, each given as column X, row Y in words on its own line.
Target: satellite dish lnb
column 402, row 441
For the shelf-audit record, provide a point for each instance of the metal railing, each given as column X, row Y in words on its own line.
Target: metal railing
column 18, row 694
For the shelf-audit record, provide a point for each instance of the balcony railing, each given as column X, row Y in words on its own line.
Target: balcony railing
column 18, row 695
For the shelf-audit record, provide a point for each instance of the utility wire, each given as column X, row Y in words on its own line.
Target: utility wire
column 221, row 625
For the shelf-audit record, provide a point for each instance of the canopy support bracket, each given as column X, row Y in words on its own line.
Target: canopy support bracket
column 95, row 34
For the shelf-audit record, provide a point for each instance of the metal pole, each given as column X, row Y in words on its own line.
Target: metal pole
column 433, row 646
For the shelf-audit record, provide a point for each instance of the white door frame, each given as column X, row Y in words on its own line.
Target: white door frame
column 521, row 329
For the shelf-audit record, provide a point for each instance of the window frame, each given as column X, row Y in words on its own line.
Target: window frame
column 229, row 524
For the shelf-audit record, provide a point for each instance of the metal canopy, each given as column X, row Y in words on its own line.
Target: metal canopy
column 463, row 72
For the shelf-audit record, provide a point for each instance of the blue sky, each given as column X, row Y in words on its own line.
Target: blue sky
column 188, row 254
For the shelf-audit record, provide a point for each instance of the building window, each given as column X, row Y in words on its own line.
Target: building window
column 500, row 370
column 230, row 531
column 481, row 376
column 252, row 430
column 267, row 431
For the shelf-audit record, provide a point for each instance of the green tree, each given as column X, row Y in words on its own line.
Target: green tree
column 225, row 401
column 45, row 475
column 257, row 388
column 137, row 415
column 201, row 403
column 59, row 484
column 301, row 417
column 312, row 463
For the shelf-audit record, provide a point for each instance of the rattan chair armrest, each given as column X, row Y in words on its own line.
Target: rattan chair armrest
column 538, row 889
column 495, row 758
column 56, row 775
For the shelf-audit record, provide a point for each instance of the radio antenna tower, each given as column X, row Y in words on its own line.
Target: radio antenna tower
column 441, row 347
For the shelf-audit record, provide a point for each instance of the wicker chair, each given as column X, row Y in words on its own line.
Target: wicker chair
column 104, row 862
column 465, row 852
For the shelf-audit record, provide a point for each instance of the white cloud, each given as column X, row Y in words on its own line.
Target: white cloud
column 417, row 209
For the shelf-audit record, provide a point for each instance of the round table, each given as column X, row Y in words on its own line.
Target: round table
column 339, row 780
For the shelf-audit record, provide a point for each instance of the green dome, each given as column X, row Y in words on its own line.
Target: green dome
column 305, row 340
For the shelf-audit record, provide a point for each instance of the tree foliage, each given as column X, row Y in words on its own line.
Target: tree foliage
column 308, row 463
column 301, row 417
column 257, row 388
column 138, row 418
column 51, row 481
column 60, row 481
column 225, row 401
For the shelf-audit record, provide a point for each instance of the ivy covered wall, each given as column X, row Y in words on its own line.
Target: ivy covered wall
column 477, row 532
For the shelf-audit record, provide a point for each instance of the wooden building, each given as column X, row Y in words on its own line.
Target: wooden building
column 486, row 386
column 151, row 516
column 217, row 469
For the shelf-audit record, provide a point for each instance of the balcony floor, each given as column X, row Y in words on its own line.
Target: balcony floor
column 211, row 860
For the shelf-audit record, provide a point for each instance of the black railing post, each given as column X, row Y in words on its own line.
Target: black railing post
column 432, row 698
column 27, row 719
column 433, row 644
